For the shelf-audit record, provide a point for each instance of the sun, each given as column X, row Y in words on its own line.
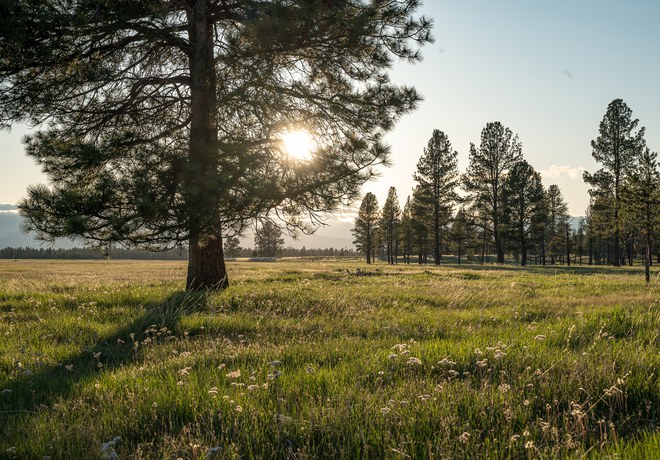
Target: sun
column 299, row 144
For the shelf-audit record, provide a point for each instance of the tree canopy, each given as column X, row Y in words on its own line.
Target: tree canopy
column 162, row 120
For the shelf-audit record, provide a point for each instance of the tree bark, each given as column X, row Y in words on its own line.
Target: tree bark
column 206, row 263
column 436, row 234
column 206, row 266
column 499, row 246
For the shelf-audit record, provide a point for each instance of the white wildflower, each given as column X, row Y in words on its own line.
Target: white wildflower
column 234, row 374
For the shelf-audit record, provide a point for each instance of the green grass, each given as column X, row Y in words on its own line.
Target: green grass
column 375, row 362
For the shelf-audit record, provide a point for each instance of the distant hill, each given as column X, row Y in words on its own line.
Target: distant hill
column 11, row 234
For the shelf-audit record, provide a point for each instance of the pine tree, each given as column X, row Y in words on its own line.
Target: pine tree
column 163, row 119
column 268, row 241
column 421, row 212
column 232, row 246
column 407, row 234
column 437, row 171
column 558, row 223
column 460, row 232
column 366, row 226
column 616, row 148
column 522, row 197
column 389, row 225
column 641, row 194
column 498, row 152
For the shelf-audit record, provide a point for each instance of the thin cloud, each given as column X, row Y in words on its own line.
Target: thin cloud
column 8, row 208
column 557, row 171
column 346, row 214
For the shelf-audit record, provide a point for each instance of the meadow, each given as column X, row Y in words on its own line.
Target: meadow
column 328, row 359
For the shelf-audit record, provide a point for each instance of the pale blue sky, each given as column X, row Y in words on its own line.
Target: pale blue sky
column 545, row 69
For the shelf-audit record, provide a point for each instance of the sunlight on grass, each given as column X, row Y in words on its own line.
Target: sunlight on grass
column 314, row 359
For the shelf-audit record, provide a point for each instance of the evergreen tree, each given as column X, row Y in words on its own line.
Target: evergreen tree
column 522, row 196
column 616, row 148
column 407, row 234
column 580, row 236
column 641, row 194
column 389, row 225
column 460, row 233
column 421, row 212
column 268, row 241
column 559, row 225
column 163, row 119
column 437, row 171
column 498, row 152
column 232, row 246
column 366, row 226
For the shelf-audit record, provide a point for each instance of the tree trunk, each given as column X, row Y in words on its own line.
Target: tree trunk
column 499, row 246
column 523, row 246
column 436, row 235
column 205, row 263
column 648, row 255
column 206, row 266
column 483, row 249
column 568, row 245
column 368, row 245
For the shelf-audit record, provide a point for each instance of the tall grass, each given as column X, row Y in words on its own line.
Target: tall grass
column 327, row 359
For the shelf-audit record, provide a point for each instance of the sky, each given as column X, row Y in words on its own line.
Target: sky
column 547, row 70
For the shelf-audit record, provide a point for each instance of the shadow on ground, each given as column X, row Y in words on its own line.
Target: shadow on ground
column 49, row 384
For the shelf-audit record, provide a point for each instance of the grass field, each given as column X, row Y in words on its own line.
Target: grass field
column 306, row 359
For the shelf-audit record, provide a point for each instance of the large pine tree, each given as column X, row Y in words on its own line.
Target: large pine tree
column 617, row 147
column 164, row 119
column 641, row 195
column 437, row 172
column 390, row 220
column 498, row 152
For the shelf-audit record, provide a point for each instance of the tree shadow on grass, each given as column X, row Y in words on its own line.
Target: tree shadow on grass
column 43, row 387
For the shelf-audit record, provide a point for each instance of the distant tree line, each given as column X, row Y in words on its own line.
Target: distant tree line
column 175, row 254
column 91, row 253
column 499, row 205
